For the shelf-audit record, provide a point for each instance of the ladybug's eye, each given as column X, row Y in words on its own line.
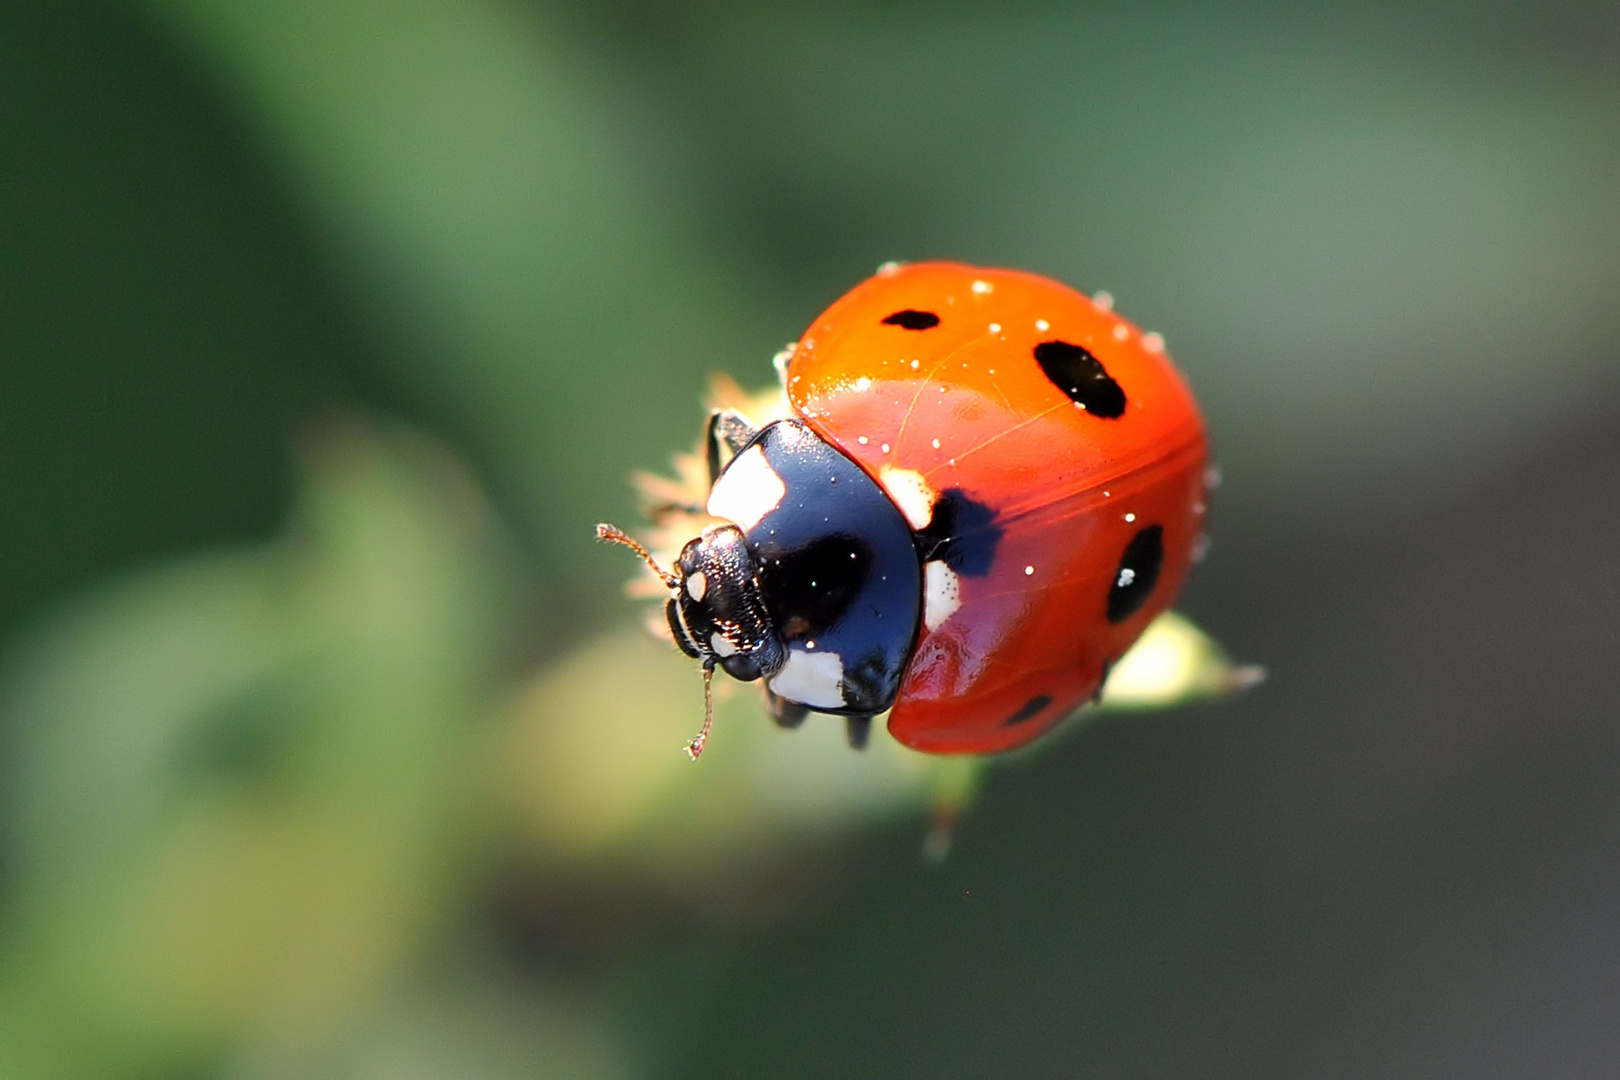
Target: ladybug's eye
column 913, row 320
column 678, row 630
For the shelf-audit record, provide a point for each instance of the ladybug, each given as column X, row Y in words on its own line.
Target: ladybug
column 988, row 485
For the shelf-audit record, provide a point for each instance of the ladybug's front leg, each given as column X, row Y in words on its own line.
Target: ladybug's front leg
column 732, row 428
column 724, row 426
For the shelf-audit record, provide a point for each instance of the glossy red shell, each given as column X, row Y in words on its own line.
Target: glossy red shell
column 965, row 405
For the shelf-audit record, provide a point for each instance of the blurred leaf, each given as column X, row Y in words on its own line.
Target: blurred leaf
column 244, row 784
column 464, row 1026
column 595, row 767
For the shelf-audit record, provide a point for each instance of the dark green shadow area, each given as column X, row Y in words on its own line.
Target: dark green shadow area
column 164, row 325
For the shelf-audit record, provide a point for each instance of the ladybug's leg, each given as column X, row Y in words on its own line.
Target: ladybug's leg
column 787, row 714
column 1108, row 667
column 732, row 428
column 858, row 729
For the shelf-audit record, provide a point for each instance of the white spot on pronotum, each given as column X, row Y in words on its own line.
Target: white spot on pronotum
column 1029, row 571
column 1042, row 325
column 813, row 679
column 936, row 444
column 995, row 328
column 1126, row 576
column 697, row 584
column 1121, row 332
column 1153, row 341
column 1104, row 300
column 720, row 646
column 862, row 439
column 1130, row 517
column 911, row 493
column 981, row 287
column 748, row 489
column 942, row 594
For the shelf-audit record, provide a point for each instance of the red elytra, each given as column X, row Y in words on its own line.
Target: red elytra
column 1062, row 420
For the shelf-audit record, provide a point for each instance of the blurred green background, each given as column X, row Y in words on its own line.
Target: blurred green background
column 330, row 749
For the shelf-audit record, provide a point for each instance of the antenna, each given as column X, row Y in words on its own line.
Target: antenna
column 701, row 739
column 614, row 535
column 618, row 536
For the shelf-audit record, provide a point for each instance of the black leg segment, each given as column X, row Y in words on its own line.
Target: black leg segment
column 787, row 714
column 730, row 427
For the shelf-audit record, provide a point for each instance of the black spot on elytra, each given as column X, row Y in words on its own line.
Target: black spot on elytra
column 962, row 532
column 1032, row 708
column 1080, row 375
column 1137, row 574
column 913, row 320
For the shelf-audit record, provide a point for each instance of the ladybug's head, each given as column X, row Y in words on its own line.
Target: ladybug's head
column 716, row 612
